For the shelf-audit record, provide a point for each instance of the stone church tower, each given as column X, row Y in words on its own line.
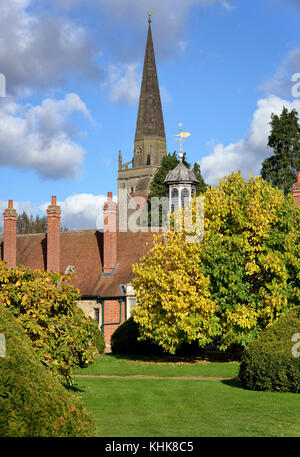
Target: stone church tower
column 150, row 139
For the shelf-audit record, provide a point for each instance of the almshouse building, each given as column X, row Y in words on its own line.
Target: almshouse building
column 103, row 259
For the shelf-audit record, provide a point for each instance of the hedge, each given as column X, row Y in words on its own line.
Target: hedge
column 268, row 363
column 99, row 341
column 32, row 402
column 124, row 340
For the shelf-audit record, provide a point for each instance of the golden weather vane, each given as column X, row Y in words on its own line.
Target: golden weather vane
column 182, row 135
column 149, row 16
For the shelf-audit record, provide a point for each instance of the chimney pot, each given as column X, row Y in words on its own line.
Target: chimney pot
column 53, row 236
column 10, row 235
column 109, row 235
column 298, row 177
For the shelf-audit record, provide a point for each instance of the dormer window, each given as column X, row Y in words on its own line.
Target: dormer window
column 70, row 270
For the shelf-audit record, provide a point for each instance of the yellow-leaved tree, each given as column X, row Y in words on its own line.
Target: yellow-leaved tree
column 173, row 296
column 237, row 281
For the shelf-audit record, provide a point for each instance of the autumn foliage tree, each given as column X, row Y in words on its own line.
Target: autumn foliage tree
column 237, row 281
column 45, row 305
column 174, row 301
column 251, row 255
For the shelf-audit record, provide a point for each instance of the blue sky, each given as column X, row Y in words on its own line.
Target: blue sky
column 73, row 71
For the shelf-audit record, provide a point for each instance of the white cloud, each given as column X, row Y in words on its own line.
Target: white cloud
column 227, row 5
column 281, row 82
column 127, row 47
column 81, row 211
column 182, row 44
column 165, row 95
column 78, row 212
column 247, row 154
column 41, row 138
column 169, row 20
column 38, row 50
column 19, row 207
column 39, row 47
column 124, row 84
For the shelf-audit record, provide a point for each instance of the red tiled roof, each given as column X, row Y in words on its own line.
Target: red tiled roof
column 131, row 248
column 83, row 250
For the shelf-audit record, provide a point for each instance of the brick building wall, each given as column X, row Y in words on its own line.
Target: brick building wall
column 10, row 230
column 296, row 190
column 53, row 236
column 110, row 235
column 114, row 314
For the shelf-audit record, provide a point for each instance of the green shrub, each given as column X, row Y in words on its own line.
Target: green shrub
column 124, row 340
column 267, row 363
column 32, row 402
column 211, row 351
column 99, row 340
column 46, row 307
column 239, row 280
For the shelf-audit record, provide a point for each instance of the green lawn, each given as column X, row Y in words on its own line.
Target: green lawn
column 158, row 366
column 183, row 408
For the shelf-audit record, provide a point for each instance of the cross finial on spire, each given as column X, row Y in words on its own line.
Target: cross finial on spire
column 149, row 17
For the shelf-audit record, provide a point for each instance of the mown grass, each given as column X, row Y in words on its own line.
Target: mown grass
column 158, row 366
column 182, row 408
column 187, row 408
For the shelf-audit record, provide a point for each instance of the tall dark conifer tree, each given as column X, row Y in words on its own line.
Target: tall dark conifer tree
column 26, row 224
column 281, row 168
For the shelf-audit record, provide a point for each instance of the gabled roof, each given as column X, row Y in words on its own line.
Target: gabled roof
column 131, row 248
column 83, row 250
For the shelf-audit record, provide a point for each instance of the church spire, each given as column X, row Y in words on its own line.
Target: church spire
column 150, row 139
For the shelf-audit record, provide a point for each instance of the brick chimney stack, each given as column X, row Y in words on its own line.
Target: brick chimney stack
column 296, row 190
column 10, row 235
column 109, row 235
column 53, row 236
